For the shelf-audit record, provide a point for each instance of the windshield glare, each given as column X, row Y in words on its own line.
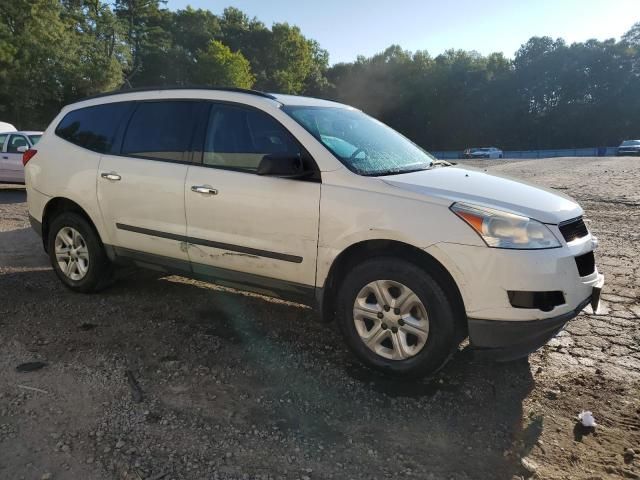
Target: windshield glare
column 363, row 144
column 629, row 143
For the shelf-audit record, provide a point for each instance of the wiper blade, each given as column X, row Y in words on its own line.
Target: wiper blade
column 442, row 163
column 400, row 172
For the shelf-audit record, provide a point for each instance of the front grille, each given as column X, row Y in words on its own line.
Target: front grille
column 573, row 229
column 586, row 264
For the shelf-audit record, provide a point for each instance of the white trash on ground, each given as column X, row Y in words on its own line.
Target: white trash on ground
column 587, row 420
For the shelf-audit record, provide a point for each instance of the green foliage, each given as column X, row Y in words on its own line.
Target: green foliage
column 218, row 65
column 52, row 53
column 552, row 94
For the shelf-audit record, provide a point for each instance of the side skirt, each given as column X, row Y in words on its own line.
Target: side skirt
column 289, row 291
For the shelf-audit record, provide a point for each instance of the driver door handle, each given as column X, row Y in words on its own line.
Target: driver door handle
column 113, row 176
column 204, row 189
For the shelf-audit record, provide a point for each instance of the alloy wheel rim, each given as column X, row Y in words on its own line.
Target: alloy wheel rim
column 391, row 319
column 72, row 253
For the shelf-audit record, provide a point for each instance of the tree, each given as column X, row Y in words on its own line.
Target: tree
column 551, row 94
column 145, row 32
column 51, row 53
column 219, row 66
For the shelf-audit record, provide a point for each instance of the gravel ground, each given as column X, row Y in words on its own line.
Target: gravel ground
column 237, row 386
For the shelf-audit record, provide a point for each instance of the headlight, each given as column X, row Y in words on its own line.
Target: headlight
column 506, row 230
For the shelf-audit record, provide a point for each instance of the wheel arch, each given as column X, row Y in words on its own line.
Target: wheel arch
column 58, row 205
column 366, row 249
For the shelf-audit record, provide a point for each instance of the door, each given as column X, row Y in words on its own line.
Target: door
column 4, row 176
column 12, row 168
column 141, row 190
column 256, row 231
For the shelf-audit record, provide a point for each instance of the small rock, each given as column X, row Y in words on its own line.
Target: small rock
column 119, row 444
column 552, row 394
column 30, row 366
column 46, row 476
column 529, row 465
column 629, row 455
column 66, row 448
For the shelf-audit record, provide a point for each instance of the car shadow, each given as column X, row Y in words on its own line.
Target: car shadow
column 10, row 193
column 291, row 372
column 22, row 248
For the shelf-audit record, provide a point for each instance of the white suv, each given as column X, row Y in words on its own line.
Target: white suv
column 315, row 202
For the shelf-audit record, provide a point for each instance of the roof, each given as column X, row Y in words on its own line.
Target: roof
column 282, row 99
column 296, row 100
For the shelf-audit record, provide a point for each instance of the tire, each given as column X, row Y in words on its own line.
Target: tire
column 93, row 270
column 443, row 332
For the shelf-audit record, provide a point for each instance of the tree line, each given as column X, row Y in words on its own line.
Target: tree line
column 550, row 95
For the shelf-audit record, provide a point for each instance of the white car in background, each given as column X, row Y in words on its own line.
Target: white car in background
column 629, row 147
column 7, row 127
column 12, row 146
column 485, row 152
column 316, row 202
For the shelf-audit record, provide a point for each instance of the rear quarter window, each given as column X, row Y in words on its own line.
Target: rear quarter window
column 95, row 128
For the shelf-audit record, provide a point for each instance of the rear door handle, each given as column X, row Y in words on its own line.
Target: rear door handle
column 205, row 189
column 6, row 158
column 114, row 177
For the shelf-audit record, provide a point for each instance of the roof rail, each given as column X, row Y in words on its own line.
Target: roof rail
column 194, row 87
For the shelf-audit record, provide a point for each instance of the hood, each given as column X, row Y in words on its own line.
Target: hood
column 458, row 184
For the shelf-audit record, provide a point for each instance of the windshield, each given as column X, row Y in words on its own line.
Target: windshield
column 363, row 144
column 629, row 143
column 34, row 139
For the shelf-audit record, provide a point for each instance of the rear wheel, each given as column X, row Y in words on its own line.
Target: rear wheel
column 77, row 254
column 396, row 317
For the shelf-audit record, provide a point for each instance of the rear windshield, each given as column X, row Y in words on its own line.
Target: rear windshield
column 630, row 143
column 34, row 138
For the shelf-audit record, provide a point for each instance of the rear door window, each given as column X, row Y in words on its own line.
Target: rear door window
column 95, row 128
column 3, row 138
column 165, row 130
column 238, row 138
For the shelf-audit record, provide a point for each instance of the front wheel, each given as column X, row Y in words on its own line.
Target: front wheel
column 396, row 317
column 77, row 254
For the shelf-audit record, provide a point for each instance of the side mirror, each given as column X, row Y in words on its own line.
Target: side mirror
column 283, row 166
column 22, row 149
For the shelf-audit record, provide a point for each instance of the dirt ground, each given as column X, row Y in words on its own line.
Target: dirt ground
column 241, row 387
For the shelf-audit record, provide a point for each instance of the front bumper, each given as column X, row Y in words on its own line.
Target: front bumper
column 504, row 340
column 486, row 276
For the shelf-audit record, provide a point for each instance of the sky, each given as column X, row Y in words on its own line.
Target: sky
column 347, row 28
